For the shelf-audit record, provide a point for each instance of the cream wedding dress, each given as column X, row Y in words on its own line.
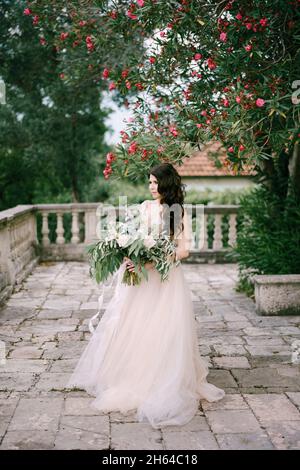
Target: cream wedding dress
column 144, row 355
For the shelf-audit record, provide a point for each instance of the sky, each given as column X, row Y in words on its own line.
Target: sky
column 115, row 121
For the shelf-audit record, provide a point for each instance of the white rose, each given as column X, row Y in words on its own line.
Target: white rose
column 149, row 242
column 123, row 240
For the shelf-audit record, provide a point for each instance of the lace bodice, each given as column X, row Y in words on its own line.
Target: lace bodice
column 151, row 219
column 151, row 216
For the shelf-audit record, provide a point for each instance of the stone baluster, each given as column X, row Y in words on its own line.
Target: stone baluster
column 45, row 229
column 60, row 240
column 205, row 234
column 75, row 227
column 217, row 237
column 232, row 230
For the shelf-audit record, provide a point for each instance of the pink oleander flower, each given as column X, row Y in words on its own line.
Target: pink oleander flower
column 223, row 37
column 173, row 131
column 263, row 21
column 259, row 102
column 105, row 73
column 131, row 15
column 63, row 36
column 211, row 64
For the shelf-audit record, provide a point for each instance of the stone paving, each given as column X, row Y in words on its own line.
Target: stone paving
column 44, row 327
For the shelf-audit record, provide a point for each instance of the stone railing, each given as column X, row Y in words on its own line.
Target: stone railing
column 18, row 247
column 33, row 233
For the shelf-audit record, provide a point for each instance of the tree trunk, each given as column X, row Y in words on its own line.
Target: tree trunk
column 294, row 169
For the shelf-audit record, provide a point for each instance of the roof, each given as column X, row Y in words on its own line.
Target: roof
column 201, row 163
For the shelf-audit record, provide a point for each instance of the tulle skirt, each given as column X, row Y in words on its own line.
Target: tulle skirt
column 144, row 355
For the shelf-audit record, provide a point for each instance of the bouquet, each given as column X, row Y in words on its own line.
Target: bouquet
column 122, row 240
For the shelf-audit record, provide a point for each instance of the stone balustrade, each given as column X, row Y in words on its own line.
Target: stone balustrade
column 41, row 232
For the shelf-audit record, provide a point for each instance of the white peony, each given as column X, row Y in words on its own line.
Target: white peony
column 123, row 240
column 149, row 242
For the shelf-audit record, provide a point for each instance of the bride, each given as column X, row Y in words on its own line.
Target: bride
column 144, row 355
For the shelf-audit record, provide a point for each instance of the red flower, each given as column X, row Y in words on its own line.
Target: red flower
column 35, row 19
column 248, row 47
column 239, row 16
column 203, row 113
column 223, row 37
column 125, row 136
column 131, row 15
column 89, row 43
column 132, row 147
column 82, row 23
column 238, row 99
column 43, row 41
column 139, row 86
column 225, row 102
column 125, row 73
column 63, row 36
column 259, row 102
column 263, row 21
column 241, row 147
column 62, row 75
column 128, row 84
column 231, row 149
column 152, row 60
column 140, row 3
column 110, row 157
column 249, row 26
column 112, row 86
column 145, row 154
column 27, row 11
column 105, row 73
column 173, row 131
column 198, row 56
column 113, row 14
column 211, row 64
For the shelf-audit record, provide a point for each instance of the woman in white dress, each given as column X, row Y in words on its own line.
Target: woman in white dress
column 144, row 353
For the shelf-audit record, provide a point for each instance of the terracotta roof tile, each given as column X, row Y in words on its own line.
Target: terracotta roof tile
column 202, row 163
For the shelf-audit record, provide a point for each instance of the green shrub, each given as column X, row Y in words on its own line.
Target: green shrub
column 268, row 241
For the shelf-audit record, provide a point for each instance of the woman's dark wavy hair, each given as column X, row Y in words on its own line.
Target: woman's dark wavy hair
column 172, row 191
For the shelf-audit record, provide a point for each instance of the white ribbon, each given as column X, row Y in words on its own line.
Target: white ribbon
column 107, row 284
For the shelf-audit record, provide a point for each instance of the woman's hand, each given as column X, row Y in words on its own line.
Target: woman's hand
column 131, row 267
column 129, row 264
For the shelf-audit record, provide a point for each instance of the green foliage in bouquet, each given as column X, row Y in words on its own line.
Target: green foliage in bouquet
column 107, row 255
column 105, row 258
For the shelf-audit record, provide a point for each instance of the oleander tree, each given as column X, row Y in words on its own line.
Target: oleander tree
column 192, row 71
